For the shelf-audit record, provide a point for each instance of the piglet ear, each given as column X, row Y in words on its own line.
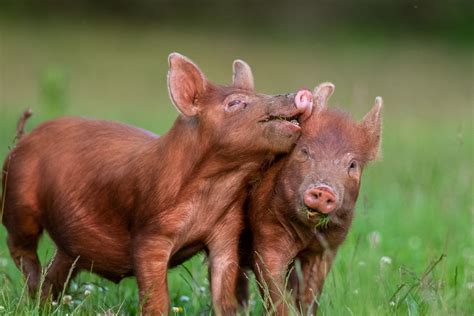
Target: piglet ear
column 372, row 123
column 242, row 77
column 185, row 82
column 321, row 95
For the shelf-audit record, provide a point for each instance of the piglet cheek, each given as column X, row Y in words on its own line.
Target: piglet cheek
column 304, row 103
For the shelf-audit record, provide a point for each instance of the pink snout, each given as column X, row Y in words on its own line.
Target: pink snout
column 320, row 199
column 304, row 103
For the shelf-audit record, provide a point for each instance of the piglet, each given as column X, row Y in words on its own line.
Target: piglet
column 121, row 201
column 304, row 205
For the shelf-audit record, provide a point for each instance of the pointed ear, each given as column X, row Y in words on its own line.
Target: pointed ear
column 321, row 94
column 242, row 77
column 372, row 123
column 185, row 82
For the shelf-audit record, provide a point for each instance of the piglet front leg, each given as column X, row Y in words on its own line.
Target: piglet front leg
column 272, row 257
column 315, row 269
column 152, row 255
column 223, row 247
column 223, row 271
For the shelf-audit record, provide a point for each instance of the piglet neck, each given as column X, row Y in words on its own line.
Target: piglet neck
column 186, row 153
column 189, row 146
column 183, row 146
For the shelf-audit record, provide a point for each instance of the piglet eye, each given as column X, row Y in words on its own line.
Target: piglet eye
column 234, row 102
column 352, row 169
column 303, row 154
column 235, row 105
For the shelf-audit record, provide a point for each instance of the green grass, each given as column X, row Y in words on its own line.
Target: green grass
column 411, row 247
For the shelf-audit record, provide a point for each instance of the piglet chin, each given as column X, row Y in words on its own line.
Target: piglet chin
column 304, row 103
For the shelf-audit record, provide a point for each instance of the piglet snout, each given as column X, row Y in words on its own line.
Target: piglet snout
column 320, row 199
column 304, row 103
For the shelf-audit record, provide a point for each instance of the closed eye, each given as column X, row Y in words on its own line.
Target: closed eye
column 235, row 104
column 303, row 154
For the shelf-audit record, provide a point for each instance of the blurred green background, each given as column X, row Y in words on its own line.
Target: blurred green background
column 108, row 60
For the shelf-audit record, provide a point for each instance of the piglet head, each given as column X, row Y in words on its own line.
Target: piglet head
column 234, row 118
column 323, row 173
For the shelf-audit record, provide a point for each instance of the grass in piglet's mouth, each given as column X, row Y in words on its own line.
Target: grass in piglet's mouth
column 323, row 219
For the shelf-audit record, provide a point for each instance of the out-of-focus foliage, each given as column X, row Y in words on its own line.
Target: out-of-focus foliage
column 449, row 19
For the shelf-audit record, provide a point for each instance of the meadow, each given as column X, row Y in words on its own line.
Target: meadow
column 411, row 247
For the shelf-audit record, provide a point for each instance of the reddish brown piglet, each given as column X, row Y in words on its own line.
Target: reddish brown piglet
column 303, row 207
column 123, row 201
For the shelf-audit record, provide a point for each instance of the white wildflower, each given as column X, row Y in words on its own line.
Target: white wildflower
column 89, row 287
column 54, row 303
column 184, row 298
column 392, row 303
column 67, row 299
column 177, row 309
column 2, row 308
column 87, row 293
column 385, row 261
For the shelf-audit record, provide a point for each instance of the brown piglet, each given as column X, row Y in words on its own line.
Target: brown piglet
column 121, row 201
column 304, row 205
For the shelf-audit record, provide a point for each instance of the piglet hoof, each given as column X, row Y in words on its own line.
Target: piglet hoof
column 304, row 102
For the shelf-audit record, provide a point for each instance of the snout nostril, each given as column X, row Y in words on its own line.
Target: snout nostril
column 321, row 199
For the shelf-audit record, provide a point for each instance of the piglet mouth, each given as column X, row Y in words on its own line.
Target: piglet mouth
column 320, row 220
column 303, row 106
column 290, row 119
column 310, row 212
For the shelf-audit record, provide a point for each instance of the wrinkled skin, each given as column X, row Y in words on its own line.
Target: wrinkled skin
column 328, row 159
column 122, row 201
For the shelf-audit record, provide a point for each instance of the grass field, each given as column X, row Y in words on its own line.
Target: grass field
column 411, row 247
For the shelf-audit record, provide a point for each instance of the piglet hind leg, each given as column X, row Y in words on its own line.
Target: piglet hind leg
column 59, row 271
column 24, row 231
column 243, row 289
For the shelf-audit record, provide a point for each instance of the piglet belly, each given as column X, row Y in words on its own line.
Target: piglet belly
column 99, row 247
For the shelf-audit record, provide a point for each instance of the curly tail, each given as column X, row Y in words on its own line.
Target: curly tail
column 20, row 126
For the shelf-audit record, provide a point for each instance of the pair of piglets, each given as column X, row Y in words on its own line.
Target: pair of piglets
column 121, row 201
column 304, row 205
